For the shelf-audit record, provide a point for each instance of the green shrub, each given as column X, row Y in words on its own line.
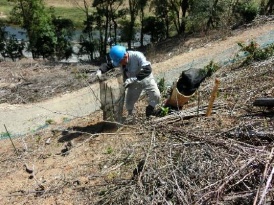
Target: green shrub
column 253, row 52
column 164, row 111
column 211, row 68
column 247, row 10
column 161, row 85
column 49, row 121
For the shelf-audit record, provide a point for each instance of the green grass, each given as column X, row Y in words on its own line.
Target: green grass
column 4, row 2
column 5, row 7
column 5, row 10
column 4, row 135
column 76, row 15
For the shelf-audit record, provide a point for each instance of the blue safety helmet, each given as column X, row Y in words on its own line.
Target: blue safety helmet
column 116, row 54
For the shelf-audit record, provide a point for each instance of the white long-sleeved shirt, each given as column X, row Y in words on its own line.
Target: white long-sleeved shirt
column 136, row 61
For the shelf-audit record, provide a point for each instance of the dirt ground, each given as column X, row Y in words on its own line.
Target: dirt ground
column 78, row 161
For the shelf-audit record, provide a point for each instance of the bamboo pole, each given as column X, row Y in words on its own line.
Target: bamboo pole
column 212, row 97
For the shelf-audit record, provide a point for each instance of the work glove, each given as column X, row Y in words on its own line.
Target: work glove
column 98, row 74
column 129, row 81
column 106, row 67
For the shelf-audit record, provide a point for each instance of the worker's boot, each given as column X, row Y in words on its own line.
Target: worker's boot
column 130, row 119
column 149, row 111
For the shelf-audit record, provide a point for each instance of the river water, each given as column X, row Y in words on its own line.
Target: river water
column 20, row 34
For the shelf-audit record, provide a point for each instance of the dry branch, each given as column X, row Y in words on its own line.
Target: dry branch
column 266, row 187
column 187, row 114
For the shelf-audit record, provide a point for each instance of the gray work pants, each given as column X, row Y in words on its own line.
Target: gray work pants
column 149, row 86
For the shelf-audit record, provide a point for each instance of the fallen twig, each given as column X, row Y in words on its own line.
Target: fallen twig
column 266, row 187
column 15, row 150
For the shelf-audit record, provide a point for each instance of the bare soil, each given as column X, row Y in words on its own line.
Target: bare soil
column 90, row 161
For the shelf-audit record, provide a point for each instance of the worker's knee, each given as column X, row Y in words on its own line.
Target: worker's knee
column 154, row 98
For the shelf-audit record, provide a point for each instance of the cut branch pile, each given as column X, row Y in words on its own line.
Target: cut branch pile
column 191, row 165
column 225, row 158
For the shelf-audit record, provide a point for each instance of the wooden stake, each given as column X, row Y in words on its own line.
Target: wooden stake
column 212, row 97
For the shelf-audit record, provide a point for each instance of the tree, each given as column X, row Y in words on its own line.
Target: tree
column 126, row 33
column 213, row 18
column 245, row 11
column 33, row 17
column 163, row 12
column 89, row 45
column 207, row 14
column 108, row 10
column 269, row 7
column 179, row 9
column 86, row 39
column 10, row 46
column 133, row 12
column 155, row 28
column 3, row 36
column 142, row 5
column 13, row 48
column 64, row 31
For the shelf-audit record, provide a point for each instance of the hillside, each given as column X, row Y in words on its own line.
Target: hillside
column 182, row 158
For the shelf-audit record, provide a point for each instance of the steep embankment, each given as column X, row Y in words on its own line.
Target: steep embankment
column 21, row 119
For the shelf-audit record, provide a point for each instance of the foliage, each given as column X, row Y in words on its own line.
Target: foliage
column 88, row 47
column 111, row 17
column 126, row 33
column 3, row 35
column 88, row 24
column 10, row 46
column 4, row 2
column 206, row 14
column 106, row 17
column 80, row 76
column 135, row 7
column 253, row 52
column 49, row 122
column 34, row 18
column 211, row 68
column 64, row 31
column 164, row 111
column 13, row 48
column 269, row 7
column 6, row 7
column 164, row 14
column 92, row 21
column 161, row 85
column 155, row 28
column 142, row 5
column 109, row 150
column 247, row 10
column 49, row 36
column 165, row 93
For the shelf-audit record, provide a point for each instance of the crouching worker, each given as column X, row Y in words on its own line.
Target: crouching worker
column 138, row 77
